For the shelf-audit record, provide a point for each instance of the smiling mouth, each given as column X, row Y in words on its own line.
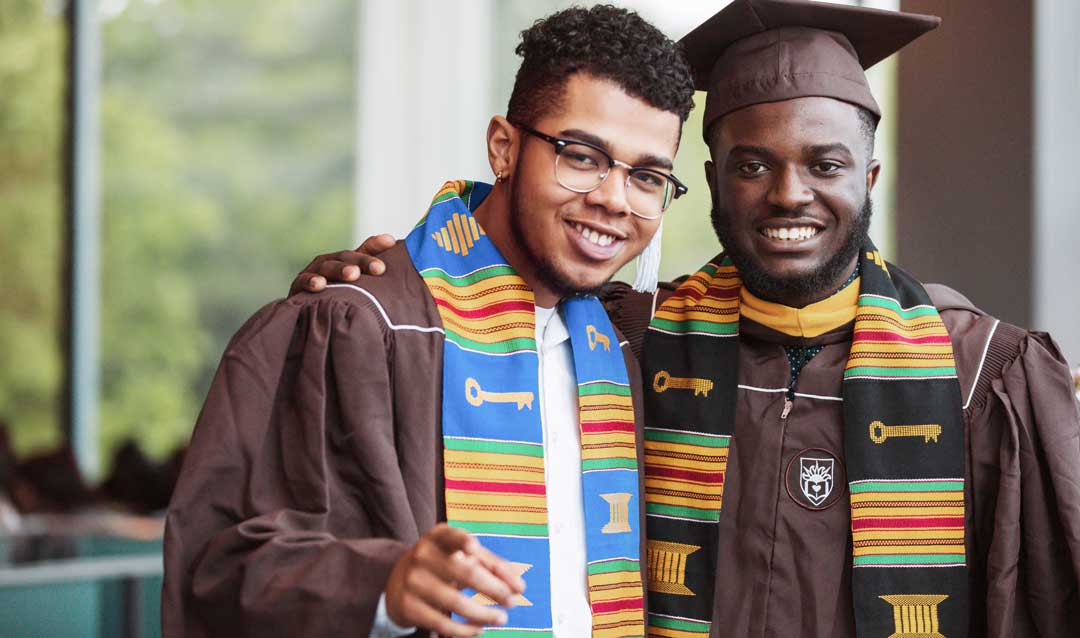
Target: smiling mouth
column 595, row 237
column 793, row 234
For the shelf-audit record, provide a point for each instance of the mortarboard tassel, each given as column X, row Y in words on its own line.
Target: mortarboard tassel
column 648, row 263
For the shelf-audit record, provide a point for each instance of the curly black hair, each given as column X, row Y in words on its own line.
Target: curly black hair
column 604, row 41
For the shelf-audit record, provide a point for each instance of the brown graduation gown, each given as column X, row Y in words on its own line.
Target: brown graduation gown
column 315, row 464
column 784, row 569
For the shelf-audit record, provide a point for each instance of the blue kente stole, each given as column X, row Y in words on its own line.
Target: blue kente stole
column 492, row 435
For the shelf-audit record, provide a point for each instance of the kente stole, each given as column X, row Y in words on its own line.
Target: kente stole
column 492, row 434
column 903, row 446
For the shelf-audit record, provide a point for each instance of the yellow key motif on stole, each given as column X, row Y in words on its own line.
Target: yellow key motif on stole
column 597, row 337
column 664, row 381
column 475, row 396
column 879, row 432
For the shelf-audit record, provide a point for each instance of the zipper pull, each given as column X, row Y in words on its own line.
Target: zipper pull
column 787, row 409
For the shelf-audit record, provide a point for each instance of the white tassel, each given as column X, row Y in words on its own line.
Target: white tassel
column 648, row 263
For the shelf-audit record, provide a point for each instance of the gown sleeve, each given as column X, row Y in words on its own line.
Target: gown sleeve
column 1026, row 475
column 291, row 508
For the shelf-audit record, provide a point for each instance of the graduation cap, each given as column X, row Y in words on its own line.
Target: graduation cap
column 756, row 51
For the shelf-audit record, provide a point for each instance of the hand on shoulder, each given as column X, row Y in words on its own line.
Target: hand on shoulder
column 344, row 266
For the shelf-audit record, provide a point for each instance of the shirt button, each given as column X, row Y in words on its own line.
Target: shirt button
column 554, row 437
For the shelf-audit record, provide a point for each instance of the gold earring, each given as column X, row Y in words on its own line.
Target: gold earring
column 498, row 177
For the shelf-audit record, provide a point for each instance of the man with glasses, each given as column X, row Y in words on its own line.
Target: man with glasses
column 477, row 383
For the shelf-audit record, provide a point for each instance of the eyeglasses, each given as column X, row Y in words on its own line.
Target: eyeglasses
column 582, row 167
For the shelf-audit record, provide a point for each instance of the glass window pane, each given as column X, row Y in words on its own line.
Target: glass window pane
column 32, row 67
column 228, row 164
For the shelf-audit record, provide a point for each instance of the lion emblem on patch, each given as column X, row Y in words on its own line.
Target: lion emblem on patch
column 816, row 478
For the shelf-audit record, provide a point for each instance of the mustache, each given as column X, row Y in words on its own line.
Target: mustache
column 815, row 283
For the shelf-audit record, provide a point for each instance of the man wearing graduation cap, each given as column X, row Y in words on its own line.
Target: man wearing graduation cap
column 831, row 447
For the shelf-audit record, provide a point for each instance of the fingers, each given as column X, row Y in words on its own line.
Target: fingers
column 339, row 271
column 425, row 586
column 422, row 614
column 376, row 244
column 497, row 566
column 347, row 266
column 440, row 595
column 502, row 569
column 451, row 539
column 374, row 266
column 461, row 559
column 307, row 282
column 365, row 253
column 344, row 266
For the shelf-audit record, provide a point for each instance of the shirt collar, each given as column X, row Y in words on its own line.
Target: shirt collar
column 550, row 328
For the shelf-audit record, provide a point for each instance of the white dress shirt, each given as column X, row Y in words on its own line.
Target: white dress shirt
column 571, row 616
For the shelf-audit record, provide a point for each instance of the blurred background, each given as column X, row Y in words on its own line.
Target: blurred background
column 167, row 166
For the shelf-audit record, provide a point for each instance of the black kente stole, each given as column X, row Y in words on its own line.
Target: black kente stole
column 903, row 443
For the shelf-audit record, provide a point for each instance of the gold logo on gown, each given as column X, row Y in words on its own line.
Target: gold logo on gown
column 597, row 337
column 458, row 235
column 915, row 615
column 618, row 513
column 478, row 397
column 879, row 432
column 667, row 567
column 517, row 600
column 663, row 381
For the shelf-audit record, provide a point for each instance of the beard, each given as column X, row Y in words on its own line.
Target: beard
column 544, row 267
column 816, row 284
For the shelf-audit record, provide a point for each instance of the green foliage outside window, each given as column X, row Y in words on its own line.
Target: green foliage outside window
column 32, row 49
column 227, row 163
column 228, row 135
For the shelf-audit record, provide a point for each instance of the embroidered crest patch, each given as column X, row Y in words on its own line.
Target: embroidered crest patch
column 815, row 478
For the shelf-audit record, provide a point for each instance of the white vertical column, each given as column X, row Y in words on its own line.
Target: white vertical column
column 882, row 78
column 1056, row 303
column 84, row 232
column 424, row 100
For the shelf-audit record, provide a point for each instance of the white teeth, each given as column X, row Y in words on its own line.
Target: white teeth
column 594, row 236
column 790, row 234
